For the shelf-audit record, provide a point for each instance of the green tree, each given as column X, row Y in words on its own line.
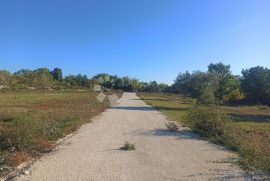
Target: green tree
column 71, row 81
column 227, row 86
column 255, row 83
column 42, row 78
column 57, row 74
column 182, row 83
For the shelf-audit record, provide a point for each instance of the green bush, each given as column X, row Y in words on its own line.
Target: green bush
column 128, row 146
column 209, row 120
column 213, row 123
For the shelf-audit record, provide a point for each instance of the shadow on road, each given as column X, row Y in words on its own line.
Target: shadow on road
column 221, row 174
column 141, row 108
column 148, row 108
column 181, row 134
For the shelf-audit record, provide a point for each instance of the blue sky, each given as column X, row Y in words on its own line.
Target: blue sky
column 147, row 39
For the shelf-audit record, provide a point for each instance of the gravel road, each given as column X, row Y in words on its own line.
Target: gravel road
column 93, row 152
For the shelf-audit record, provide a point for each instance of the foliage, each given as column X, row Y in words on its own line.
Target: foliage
column 198, row 85
column 228, row 86
column 207, row 119
column 128, row 84
column 57, row 74
column 216, row 84
column 256, row 84
column 128, row 146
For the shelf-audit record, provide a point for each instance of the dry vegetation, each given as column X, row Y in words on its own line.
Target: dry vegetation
column 128, row 146
column 244, row 129
column 32, row 121
column 172, row 126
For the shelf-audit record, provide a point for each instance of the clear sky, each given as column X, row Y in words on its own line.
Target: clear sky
column 147, row 39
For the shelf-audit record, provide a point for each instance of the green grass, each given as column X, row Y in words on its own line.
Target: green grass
column 249, row 127
column 32, row 121
column 173, row 106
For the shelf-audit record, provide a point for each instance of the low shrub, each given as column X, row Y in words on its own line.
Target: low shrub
column 252, row 146
column 128, row 146
column 172, row 126
column 209, row 120
column 263, row 107
column 17, row 158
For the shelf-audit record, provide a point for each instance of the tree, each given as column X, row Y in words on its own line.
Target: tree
column 255, row 83
column 200, row 85
column 42, row 78
column 57, row 74
column 227, row 86
column 71, row 81
column 182, row 83
column 220, row 68
column 135, row 84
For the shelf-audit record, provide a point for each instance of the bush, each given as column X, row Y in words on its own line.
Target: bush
column 207, row 119
column 172, row 126
column 128, row 146
column 212, row 122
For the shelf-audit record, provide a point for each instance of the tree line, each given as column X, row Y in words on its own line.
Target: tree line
column 219, row 84
column 216, row 84
column 43, row 78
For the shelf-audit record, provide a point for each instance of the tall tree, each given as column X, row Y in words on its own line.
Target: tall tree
column 256, row 84
column 228, row 86
column 57, row 74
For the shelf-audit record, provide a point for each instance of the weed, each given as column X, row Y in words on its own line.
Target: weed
column 128, row 146
column 17, row 158
column 172, row 126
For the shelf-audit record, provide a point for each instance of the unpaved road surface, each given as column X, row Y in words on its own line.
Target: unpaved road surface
column 93, row 153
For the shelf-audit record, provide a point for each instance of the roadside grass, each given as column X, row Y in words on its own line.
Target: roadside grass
column 246, row 130
column 173, row 106
column 128, row 146
column 32, row 121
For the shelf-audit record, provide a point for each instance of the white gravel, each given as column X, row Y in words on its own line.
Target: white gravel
column 93, row 153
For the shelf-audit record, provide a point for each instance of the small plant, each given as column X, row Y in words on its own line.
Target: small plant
column 18, row 157
column 172, row 126
column 128, row 146
column 263, row 107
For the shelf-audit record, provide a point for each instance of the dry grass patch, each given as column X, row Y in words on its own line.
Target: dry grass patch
column 33, row 121
column 17, row 158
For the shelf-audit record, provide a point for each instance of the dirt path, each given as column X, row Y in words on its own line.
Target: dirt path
column 93, row 153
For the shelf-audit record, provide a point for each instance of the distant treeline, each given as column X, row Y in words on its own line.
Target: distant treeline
column 217, row 84
column 43, row 78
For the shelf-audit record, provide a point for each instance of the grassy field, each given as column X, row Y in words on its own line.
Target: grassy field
column 251, row 125
column 32, row 121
